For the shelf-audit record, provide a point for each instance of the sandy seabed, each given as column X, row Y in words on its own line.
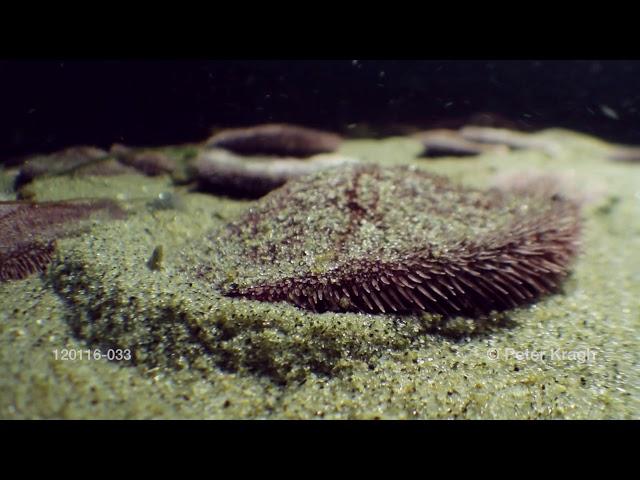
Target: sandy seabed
column 102, row 335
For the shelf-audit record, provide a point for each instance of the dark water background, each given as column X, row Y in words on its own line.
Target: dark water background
column 51, row 104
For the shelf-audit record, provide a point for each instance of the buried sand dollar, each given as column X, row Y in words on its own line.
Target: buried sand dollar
column 376, row 240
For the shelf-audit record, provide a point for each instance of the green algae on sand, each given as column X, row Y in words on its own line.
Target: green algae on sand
column 198, row 354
